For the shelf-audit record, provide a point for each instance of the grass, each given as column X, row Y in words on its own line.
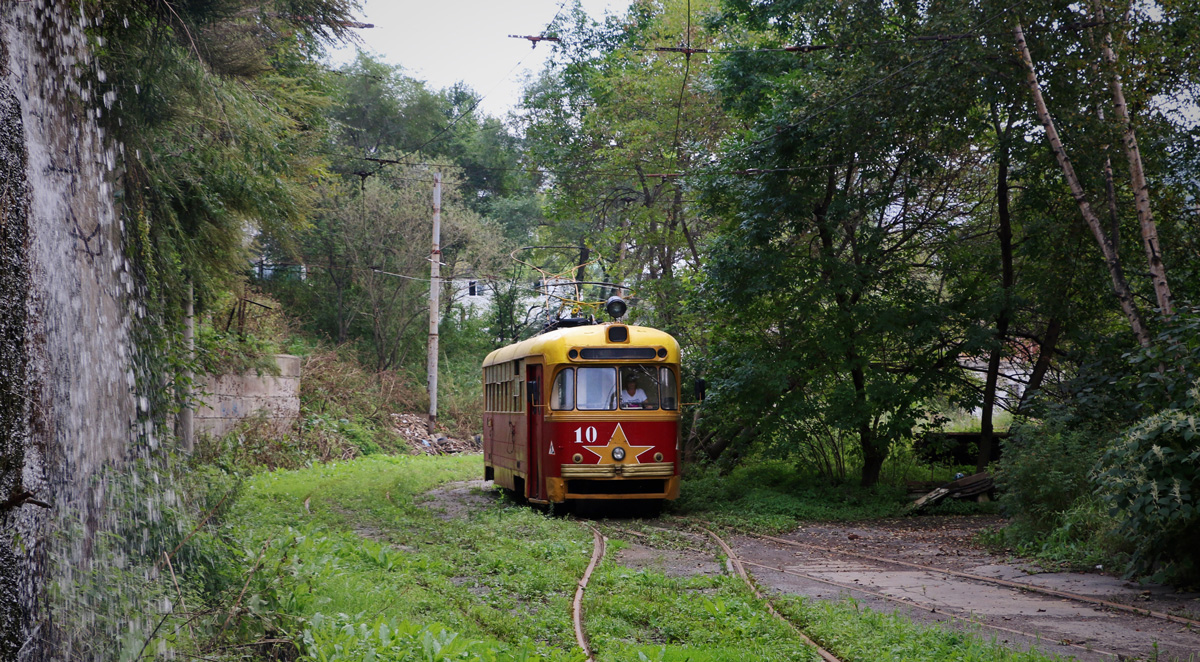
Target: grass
column 966, row 421
column 503, row 576
column 353, row 565
column 772, row 497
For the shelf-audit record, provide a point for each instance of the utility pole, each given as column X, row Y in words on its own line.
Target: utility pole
column 435, row 287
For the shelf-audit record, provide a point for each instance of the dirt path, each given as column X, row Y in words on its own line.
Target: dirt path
column 1061, row 626
column 1017, row 618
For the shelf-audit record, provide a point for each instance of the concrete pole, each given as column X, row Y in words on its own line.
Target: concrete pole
column 187, row 430
column 435, row 288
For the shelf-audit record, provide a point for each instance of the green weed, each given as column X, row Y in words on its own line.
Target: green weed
column 357, row 564
column 775, row 496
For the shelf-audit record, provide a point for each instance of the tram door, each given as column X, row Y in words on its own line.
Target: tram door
column 536, row 414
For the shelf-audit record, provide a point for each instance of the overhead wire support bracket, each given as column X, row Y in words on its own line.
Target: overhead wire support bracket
column 534, row 38
column 680, row 49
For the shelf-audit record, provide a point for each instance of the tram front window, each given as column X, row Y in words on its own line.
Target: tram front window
column 647, row 387
column 641, row 387
column 597, row 389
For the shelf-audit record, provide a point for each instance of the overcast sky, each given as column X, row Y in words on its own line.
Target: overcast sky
column 445, row 41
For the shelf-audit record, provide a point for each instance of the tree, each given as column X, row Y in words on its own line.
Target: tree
column 219, row 109
column 1111, row 256
column 369, row 245
column 838, row 284
column 619, row 125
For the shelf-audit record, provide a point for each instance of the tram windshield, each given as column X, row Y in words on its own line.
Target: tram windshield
column 630, row 387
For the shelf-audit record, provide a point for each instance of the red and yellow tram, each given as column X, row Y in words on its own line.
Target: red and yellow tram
column 581, row 413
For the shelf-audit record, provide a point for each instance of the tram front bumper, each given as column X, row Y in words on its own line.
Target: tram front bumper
column 614, row 485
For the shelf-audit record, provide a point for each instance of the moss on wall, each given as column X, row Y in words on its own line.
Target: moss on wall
column 14, row 292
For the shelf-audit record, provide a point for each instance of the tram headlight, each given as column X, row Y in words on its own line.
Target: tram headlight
column 618, row 453
column 616, row 307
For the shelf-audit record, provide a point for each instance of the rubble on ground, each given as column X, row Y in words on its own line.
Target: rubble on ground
column 414, row 430
column 977, row 487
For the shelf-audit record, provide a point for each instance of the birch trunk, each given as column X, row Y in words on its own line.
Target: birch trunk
column 1111, row 259
column 1137, row 177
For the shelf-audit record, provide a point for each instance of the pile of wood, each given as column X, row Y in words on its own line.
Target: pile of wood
column 977, row 487
column 414, row 430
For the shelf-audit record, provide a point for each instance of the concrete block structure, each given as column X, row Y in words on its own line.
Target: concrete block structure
column 230, row 399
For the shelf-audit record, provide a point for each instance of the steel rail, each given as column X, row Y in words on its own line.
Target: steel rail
column 1033, row 588
column 885, row 596
column 741, row 570
column 598, row 545
column 931, row 608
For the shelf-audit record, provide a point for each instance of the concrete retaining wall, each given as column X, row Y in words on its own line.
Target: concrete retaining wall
column 230, row 399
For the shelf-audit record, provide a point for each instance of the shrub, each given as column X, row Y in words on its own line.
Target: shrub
column 1046, row 467
column 1147, row 479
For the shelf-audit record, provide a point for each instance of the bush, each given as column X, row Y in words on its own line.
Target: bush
column 1147, row 478
column 1045, row 468
column 774, row 495
column 1046, row 480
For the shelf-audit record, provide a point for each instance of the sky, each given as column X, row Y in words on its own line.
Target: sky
column 446, row 41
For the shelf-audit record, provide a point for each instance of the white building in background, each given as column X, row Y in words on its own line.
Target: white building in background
column 473, row 295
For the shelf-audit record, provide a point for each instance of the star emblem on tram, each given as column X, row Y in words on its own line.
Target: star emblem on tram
column 628, row 454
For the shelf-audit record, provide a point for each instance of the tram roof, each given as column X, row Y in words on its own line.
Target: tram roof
column 555, row 344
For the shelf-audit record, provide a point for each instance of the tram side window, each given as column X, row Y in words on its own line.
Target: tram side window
column 503, row 388
column 562, row 395
column 597, row 388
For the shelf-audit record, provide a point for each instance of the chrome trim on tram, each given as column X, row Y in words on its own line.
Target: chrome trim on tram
column 647, row 470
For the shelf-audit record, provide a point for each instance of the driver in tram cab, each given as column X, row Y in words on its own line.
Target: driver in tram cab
column 632, row 397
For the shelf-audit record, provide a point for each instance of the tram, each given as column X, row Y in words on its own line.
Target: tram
column 588, row 412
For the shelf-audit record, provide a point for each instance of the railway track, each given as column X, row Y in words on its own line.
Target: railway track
column 742, row 566
column 598, row 545
column 930, row 608
column 971, row 620
column 994, row 581
column 738, row 566
column 735, row 564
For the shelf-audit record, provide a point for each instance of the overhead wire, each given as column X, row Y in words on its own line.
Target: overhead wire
column 611, row 173
column 577, row 302
column 812, row 48
column 687, row 50
column 561, row 5
column 687, row 66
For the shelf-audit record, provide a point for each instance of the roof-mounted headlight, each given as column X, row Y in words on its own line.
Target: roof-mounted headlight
column 616, row 307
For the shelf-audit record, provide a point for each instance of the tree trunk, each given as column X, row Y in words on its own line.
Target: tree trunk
column 1110, row 192
column 1042, row 366
column 1004, row 234
column 1137, row 177
column 343, row 324
column 585, row 255
column 873, row 456
column 1111, row 259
